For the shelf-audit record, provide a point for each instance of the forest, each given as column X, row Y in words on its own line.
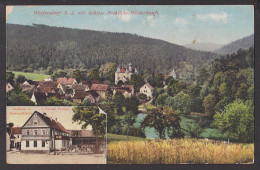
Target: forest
column 41, row 47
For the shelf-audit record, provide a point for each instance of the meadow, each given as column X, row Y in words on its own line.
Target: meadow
column 179, row 151
column 31, row 76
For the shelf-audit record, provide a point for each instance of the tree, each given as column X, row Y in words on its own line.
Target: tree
column 202, row 76
column 131, row 104
column 53, row 101
column 59, row 73
column 20, row 79
column 87, row 101
column 181, row 102
column 195, row 130
column 142, row 96
column 237, row 120
column 109, row 72
column 209, row 104
column 242, row 91
column 18, row 98
column 119, row 101
column 93, row 74
column 161, row 119
column 10, row 77
column 138, row 81
column 90, row 116
column 9, row 127
column 129, row 120
column 160, row 100
column 77, row 75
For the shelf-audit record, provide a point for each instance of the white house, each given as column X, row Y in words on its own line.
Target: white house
column 8, row 142
column 147, row 89
column 9, row 87
column 43, row 134
column 124, row 74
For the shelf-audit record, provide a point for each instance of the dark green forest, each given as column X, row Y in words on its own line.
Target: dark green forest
column 38, row 47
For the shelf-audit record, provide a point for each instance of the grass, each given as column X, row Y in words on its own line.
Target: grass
column 149, row 106
column 31, row 76
column 177, row 151
column 115, row 138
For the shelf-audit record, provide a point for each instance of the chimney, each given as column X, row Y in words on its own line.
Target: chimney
column 56, row 119
column 44, row 114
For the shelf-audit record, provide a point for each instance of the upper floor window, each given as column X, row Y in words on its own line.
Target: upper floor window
column 35, row 121
column 27, row 132
column 35, row 132
column 43, row 132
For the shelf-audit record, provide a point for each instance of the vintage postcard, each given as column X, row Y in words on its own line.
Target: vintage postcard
column 169, row 84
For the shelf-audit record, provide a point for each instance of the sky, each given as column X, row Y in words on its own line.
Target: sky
column 20, row 114
column 179, row 24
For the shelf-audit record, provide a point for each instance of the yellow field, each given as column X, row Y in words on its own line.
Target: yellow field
column 176, row 151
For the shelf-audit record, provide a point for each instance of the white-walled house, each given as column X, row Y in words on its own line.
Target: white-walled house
column 8, row 142
column 147, row 89
column 43, row 134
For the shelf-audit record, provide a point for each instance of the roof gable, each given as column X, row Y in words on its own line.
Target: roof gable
column 40, row 122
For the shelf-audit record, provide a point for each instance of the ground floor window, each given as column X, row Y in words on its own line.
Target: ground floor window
column 35, row 144
column 27, row 144
column 43, row 144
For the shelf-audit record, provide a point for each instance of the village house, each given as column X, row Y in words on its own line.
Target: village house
column 9, row 87
column 147, row 89
column 8, row 140
column 101, row 89
column 62, row 81
column 42, row 134
column 79, row 96
column 16, row 133
column 124, row 74
column 126, row 90
column 28, row 88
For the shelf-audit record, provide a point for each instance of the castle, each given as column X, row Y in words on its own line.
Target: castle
column 124, row 74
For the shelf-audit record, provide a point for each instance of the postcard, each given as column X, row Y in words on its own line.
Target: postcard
column 157, row 84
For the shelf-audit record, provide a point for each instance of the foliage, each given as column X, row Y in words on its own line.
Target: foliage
column 180, row 101
column 93, row 74
column 90, row 116
column 10, row 77
column 160, row 100
column 142, row 96
column 59, row 73
column 109, row 72
column 161, row 119
column 131, row 104
column 237, row 120
column 20, row 79
column 138, row 81
column 53, row 101
column 195, row 130
column 17, row 97
column 208, row 104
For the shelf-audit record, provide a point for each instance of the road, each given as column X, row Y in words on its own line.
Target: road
column 25, row 158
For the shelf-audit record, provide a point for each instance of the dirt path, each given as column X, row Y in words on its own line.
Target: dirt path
column 23, row 158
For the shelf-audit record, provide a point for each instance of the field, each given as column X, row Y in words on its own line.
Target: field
column 31, row 76
column 177, row 151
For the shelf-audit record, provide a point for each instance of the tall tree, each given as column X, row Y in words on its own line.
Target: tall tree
column 161, row 119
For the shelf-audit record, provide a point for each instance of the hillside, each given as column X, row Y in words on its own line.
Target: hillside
column 232, row 47
column 203, row 46
column 41, row 46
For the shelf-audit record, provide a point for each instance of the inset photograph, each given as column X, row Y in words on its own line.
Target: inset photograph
column 55, row 135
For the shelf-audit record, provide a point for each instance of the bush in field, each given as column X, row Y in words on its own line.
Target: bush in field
column 237, row 120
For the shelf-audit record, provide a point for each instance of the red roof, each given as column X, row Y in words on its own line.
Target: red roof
column 81, row 133
column 16, row 130
column 99, row 87
column 123, row 69
column 66, row 81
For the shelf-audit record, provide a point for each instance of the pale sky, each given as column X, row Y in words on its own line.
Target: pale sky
column 20, row 114
column 179, row 24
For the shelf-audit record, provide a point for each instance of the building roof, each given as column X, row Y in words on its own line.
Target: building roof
column 81, row 95
column 47, row 89
column 79, row 87
column 46, row 83
column 81, row 133
column 129, row 86
column 40, row 96
column 150, row 87
column 66, row 81
column 99, row 87
column 28, row 88
column 124, row 69
column 50, row 122
column 16, row 130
